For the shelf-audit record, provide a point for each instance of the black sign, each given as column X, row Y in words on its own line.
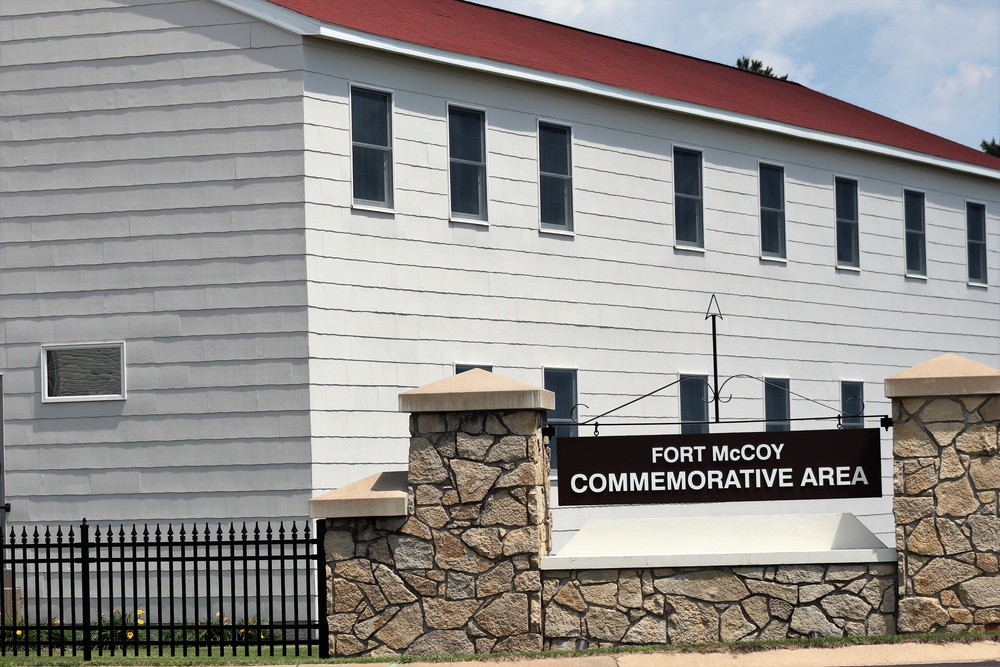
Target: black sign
column 712, row 468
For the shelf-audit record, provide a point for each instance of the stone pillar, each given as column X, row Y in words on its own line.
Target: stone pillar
column 946, row 480
column 459, row 570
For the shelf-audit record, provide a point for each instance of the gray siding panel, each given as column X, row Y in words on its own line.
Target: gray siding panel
column 152, row 179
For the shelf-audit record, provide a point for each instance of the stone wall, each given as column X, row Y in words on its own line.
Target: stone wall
column 691, row 605
column 460, row 573
column 946, row 478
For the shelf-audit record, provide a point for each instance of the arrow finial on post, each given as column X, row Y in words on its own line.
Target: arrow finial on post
column 717, row 312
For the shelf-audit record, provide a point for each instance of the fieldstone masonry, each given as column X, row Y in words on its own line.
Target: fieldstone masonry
column 946, row 480
column 461, row 572
column 446, row 558
column 691, row 605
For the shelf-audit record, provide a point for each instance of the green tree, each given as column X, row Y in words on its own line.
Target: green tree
column 757, row 67
column 991, row 147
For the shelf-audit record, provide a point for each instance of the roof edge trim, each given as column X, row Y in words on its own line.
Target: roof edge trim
column 297, row 23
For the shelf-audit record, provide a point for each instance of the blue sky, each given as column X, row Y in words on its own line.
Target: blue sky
column 934, row 64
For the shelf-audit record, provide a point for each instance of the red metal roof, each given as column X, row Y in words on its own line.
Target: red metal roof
column 485, row 32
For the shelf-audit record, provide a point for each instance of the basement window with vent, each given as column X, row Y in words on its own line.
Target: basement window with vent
column 83, row 372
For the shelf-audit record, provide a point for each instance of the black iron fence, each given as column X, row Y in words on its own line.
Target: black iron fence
column 150, row 590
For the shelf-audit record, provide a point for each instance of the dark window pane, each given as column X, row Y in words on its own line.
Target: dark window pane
column 556, row 200
column 85, row 371
column 776, row 404
column 915, row 262
column 465, row 134
column 772, row 232
column 847, row 243
column 461, row 368
column 694, row 403
column 688, row 220
column 914, row 211
column 370, row 117
column 847, row 200
column 467, row 189
column 687, row 172
column 852, row 404
column 976, row 214
column 553, row 149
column 372, row 174
column 562, row 382
column 771, row 187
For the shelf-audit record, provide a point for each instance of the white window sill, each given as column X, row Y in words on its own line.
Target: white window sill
column 82, row 399
column 914, row 276
column 388, row 210
column 694, row 249
column 469, row 221
column 774, row 259
column 979, row 285
column 848, row 269
column 555, row 231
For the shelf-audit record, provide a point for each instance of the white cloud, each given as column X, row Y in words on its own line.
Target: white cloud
column 967, row 81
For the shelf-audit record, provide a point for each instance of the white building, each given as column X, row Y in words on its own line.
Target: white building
column 182, row 184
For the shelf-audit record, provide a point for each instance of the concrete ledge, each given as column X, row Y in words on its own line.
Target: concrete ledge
column 476, row 390
column 793, row 539
column 382, row 494
column 947, row 375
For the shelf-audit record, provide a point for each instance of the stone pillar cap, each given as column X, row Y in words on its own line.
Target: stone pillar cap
column 476, row 390
column 947, row 375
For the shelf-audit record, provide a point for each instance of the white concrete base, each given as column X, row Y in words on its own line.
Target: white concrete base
column 791, row 539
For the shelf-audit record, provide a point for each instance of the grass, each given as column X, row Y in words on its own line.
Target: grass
column 240, row 657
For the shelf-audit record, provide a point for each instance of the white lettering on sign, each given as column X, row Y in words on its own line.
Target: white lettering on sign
column 761, row 452
column 683, row 454
column 684, row 480
column 840, row 476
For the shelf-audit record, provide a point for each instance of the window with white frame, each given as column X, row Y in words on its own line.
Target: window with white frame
column 772, row 211
column 84, row 372
column 848, row 250
column 555, row 176
column 467, row 152
column 975, row 221
column 777, row 404
column 852, row 403
column 562, row 382
column 694, row 404
column 371, row 147
column 916, row 238
column 688, row 204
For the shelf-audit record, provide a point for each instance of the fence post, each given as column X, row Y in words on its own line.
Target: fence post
column 321, row 590
column 85, row 587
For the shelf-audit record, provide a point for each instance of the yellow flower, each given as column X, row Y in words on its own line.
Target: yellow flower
column 142, row 622
column 55, row 622
column 242, row 631
column 129, row 634
column 139, row 613
column 218, row 613
column 18, row 633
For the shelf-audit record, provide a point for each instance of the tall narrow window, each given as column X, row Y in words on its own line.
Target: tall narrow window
column 688, row 206
column 848, row 252
column 852, row 404
column 467, row 149
column 772, row 211
column 91, row 372
column 916, row 241
column 555, row 176
column 694, row 404
column 371, row 138
column 562, row 382
column 975, row 220
column 777, row 406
